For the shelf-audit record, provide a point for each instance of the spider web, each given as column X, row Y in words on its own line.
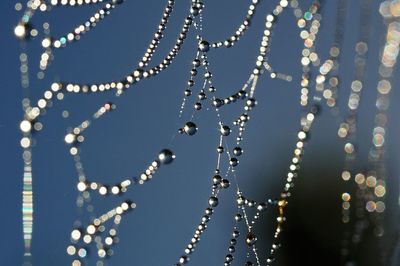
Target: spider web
column 98, row 232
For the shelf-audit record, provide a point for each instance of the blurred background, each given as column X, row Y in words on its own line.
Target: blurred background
column 121, row 144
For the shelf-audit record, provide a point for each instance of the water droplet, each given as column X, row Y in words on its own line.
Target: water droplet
column 194, row 11
column 25, row 126
column 204, row 46
column 240, row 200
column 196, row 63
column 262, row 207
column 251, row 239
column 197, row 106
column 202, row 95
column 308, row 15
column 225, row 130
column 209, row 211
column 349, row 148
column 188, row 93
column 238, row 217
column 229, row 258
column 251, row 102
column 190, row 128
column 217, row 179
column 213, row 201
column 217, row 102
column 20, row 31
column 166, row 156
column 233, row 162
column 220, row 149
column 184, row 259
column 237, row 151
column 225, row 183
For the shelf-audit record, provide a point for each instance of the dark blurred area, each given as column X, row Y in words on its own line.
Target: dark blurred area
column 314, row 233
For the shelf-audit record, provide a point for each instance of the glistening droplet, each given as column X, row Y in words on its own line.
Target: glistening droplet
column 251, row 239
column 166, row 156
column 190, row 128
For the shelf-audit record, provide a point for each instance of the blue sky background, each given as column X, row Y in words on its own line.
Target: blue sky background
column 125, row 141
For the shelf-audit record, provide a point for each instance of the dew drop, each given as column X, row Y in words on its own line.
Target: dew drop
column 229, row 258
column 238, row 217
column 213, row 201
column 196, row 63
column 217, row 102
column 237, row 151
column 184, row 259
column 233, row 162
column 220, row 149
column 225, row 183
column 197, row 106
column 217, row 179
column 225, row 130
column 188, row 93
column 204, row 46
column 166, row 156
column 190, row 128
column 262, row 207
column 251, row 239
column 251, row 102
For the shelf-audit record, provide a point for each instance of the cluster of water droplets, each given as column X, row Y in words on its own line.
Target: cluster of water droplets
column 102, row 232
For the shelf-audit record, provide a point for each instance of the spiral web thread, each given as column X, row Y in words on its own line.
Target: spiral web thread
column 101, row 233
